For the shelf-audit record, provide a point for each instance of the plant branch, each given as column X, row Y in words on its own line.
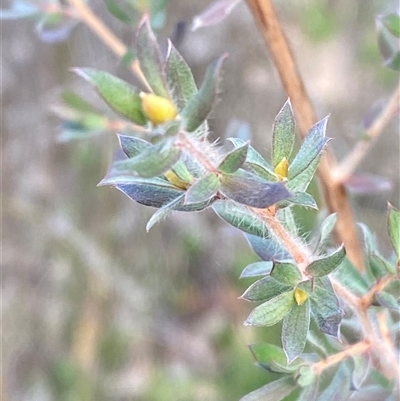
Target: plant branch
column 345, row 169
column 87, row 16
column 334, row 193
column 355, row 349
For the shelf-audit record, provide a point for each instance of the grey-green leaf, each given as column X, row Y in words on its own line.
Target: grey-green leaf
column 264, row 289
column 161, row 213
column 272, row 311
column 300, row 199
column 201, row 104
column 122, row 97
column 294, row 330
column 286, row 273
column 325, row 232
column 251, row 190
column 311, row 148
column 133, row 146
column 150, row 163
column 283, row 134
column 179, row 78
column 234, row 159
column 267, row 248
column 387, row 301
column 256, row 269
column 326, row 264
column 273, row 391
column 240, row 217
column 203, row 189
column 394, row 228
column 302, row 180
column 339, row 387
column 150, row 60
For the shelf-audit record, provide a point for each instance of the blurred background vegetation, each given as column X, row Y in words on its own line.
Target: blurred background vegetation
column 93, row 307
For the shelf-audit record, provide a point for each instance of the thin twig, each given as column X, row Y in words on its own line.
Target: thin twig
column 335, row 194
column 87, row 16
column 345, row 169
column 358, row 348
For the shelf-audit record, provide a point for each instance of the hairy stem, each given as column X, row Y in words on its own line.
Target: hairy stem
column 355, row 349
column 335, row 194
column 87, row 16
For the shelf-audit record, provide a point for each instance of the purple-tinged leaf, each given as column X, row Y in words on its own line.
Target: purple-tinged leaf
column 123, row 98
column 179, row 78
column 325, row 307
column 283, row 135
column 248, row 189
column 203, row 189
column 256, row 269
column 326, row 264
column 271, row 312
column 265, row 289
column 201, row 104
column 312, row 146
column 295, row 329
column 365, row 184
column 273, row 391
column 55, row 27
column 150, row 60
column 214, row 14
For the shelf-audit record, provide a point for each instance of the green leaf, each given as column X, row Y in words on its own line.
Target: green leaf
column 326, row 264
column 325, row 232
column 273, row 391
column 255, row 162
column 294, row 330
column 387, row 301
column 272, row 358
column 266, row 248
column 75, row 101
column 264, row 289
column 286, row 273
column 306, row 376
column 240, row 217
column 351, row 278
column 300, row 199
column 123, row 98
column 118, row 12
column 150, row 163
column 310, row 393
column 203, row 189
column 201, row 104
column 179, row 78
column 150, row 60
column 339, row 387
column 272, row 311
column 301, row 182
column 392, row 23
column 251, row 190
column 283, row 135
column 382, row 265
column 234, row 160
column 394, row 228
column 311, row 148
column 256, row 269
column 325, row 307
column 133, row 146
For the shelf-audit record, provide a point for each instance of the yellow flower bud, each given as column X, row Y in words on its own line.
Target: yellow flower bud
column 174, row 179
column 300, row 296
column 158, row 109
column 281, row 169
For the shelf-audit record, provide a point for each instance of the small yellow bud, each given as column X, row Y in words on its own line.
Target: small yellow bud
column 281, row 169
column 174, row 179
column 300, row 296
column 158, row 109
